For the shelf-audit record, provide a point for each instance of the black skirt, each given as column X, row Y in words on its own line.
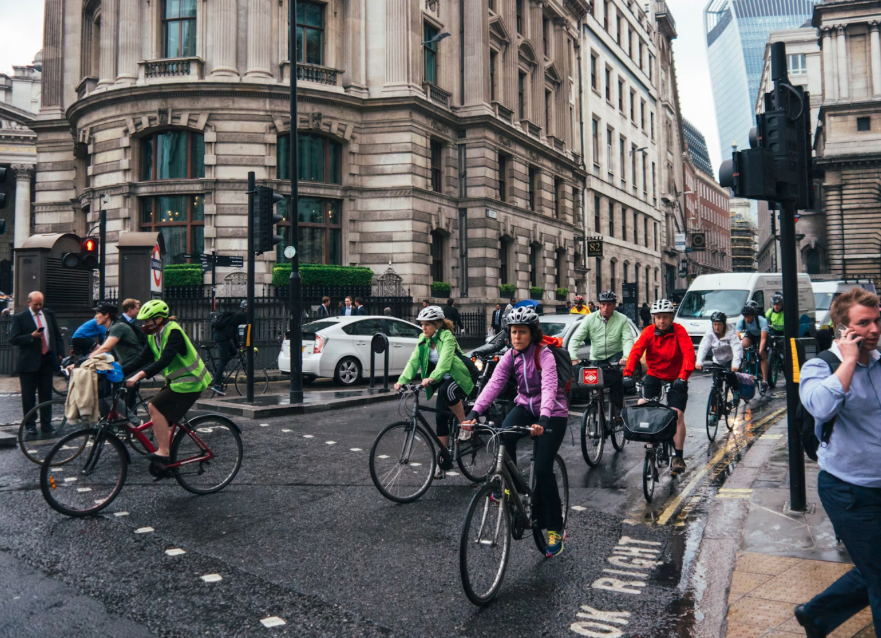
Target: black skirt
column 174, row 405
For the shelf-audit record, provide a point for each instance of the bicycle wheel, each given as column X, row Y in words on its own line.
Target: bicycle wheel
column 90, row 483
column 60, row 383
column 51, row 424
column 476, row 455
column 617, row 433
column 485, row 545
column 648, row 476
column 562, row 478
column 402, row 462
column 714, row 413
column 592, row 439
column 730, row 411
column 261, row 379
column 773, row 368
column 200, row 473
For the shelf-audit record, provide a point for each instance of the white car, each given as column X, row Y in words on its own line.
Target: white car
column 339, row 347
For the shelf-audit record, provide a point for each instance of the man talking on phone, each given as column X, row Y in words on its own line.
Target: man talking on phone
column 40, row 347
column 847, row 393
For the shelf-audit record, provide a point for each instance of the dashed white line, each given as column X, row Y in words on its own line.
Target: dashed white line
column 308, row 436
column 144, row 530
column 287, row 430
column 212, row 578
column 578, row 508
column 330, row 442
column 355, row 449
column 451, row 473
column 175, row 552
column 264, row 425
column 272, row 621
column 120, row 513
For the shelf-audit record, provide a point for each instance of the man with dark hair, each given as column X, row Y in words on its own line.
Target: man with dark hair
column 324, row 308
column 346, row 308
column 845, row 397
column 496, row 322
column 425, row 303
column 452, row 313
column 359, row 307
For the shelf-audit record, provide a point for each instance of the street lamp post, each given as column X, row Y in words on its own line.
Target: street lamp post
column 295, row 283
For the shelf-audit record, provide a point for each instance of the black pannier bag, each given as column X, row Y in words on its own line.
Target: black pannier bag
column 651, row 422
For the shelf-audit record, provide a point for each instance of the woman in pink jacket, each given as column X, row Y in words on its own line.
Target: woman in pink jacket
column 540, row 403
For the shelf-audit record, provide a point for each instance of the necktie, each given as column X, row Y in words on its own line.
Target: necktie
column 43, row 335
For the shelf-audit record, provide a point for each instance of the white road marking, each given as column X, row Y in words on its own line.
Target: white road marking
column 174, row 552
column 144, row 530
column 383, row 456
column 330, row 442
column 595, row 623
column 308, row 436
column 264, row 425
column 70, row 479
column 272, row 621
column 84, row 489
column 451, row 473
column 355, row 449
column 120, row 513
column 287, row 430
column 415, row 464
column 212, row 578
column 578, row 508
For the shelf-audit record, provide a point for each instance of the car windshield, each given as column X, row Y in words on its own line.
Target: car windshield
column 823, row 300
column 310, row 329
column 700, row 304
column 553, row 329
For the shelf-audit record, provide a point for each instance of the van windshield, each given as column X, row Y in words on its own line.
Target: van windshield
column 700, row 304
column 824, row 299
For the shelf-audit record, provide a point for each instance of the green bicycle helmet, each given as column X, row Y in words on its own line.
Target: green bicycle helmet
column 152, row 309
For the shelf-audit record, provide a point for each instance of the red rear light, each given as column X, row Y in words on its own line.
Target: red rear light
column 319, row 344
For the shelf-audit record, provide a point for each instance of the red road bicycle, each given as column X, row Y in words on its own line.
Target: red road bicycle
column 85, row 471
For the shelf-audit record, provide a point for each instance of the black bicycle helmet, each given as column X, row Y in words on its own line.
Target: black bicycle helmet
column 608, row 295
column 778, row 298
column 719, row 316
column 748, row 309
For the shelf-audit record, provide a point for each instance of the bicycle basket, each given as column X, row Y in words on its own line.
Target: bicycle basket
column 590, row 378
column 650, row 422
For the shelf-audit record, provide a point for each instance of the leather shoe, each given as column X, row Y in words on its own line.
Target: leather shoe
column 31, row 429
column 807, row 622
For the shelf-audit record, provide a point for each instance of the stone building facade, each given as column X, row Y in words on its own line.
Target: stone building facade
column 457, row 160
column 707, row 211
column 743, row 236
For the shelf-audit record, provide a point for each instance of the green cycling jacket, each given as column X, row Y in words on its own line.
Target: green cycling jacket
column 775, row 319
column 606, row 337
column 448, row 363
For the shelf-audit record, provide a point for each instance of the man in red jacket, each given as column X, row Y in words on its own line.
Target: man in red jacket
column 669, row 357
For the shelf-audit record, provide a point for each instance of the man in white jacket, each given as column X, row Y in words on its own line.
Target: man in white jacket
column 725, row 346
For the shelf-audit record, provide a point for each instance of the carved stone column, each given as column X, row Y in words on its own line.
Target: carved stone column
column 354, row 48
column 224, row 26
column 53, row 56
column 23, row 175
column 536, row 31
column 511, row 74
column 843, row 71
column 259, row 40
column 875, row 40
column 109, row 35
column 830, row 63
column 397, row 49
column 129, row 41
column 561, row 57
column 476, row 52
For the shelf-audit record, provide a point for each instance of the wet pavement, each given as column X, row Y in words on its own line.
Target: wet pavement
column 303, row 535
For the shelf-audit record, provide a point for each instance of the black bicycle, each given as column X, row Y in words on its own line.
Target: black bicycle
column 752, row 365
column 501, row 510
column 595, row 425
column 776, row 358
column 719, row 406
column 403, row 457
column 236, row 374
column 657, row 455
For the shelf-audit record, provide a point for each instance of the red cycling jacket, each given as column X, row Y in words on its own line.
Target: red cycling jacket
column 668, row 357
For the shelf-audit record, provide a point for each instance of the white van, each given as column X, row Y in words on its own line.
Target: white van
column 825, row 293
column 729, row 292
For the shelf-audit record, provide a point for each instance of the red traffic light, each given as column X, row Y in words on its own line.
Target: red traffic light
column 90, row 245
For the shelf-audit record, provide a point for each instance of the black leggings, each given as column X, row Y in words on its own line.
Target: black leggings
column 548, row 509
column 448, row 393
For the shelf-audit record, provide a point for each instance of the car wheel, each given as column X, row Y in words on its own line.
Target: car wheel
column 347, row 371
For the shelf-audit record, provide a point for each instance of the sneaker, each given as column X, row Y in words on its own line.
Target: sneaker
column 765, row 386
column 439, row 474
column 555, row 544
column 216, row 389
column 807, row 622
column 677, row 466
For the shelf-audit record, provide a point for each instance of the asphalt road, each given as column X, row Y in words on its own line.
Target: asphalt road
column 303, row 535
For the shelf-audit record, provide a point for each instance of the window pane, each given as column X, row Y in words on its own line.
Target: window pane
column 333, row 212
column 198, row 155
column 172, row 155
column 311, row 158
column 335, row 257
column 147, row 158
column 188, row 38
column 172, row 208
column 172, row 8
column 198, row 208
column 310, row 210
column 188, row 8
column 283, row 157
column 147, row 210
column 311, row 14
column 311, row 245
column 299, row 44
column 175, row 244
column 430, row 66
column 198, row 240
column 172, row 40
column 313, row 46
column 335, row 162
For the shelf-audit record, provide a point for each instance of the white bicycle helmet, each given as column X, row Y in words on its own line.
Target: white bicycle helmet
column 430, row 313
column 662, row 305
column 522, row 316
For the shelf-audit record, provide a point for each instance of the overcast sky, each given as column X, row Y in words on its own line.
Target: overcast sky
column 21, row 34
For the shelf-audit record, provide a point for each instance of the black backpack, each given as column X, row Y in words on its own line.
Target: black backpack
column 221, row 322
column 565, row 370
column 806, row 421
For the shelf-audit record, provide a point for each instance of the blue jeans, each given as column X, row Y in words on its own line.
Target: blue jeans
column 855, row 513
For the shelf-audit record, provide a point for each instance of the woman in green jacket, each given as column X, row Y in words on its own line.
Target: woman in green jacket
column 437, row 359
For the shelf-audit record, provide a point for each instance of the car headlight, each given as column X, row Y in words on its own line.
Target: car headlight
column 479, row 365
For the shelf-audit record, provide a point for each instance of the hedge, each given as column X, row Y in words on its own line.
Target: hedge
column 562, row 292
column 507, row 289
column 183, row 275
column 440, row 288
column 536, row 291
column 321, row 275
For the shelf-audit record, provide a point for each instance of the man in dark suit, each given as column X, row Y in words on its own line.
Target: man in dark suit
column 324, row 308
column 359, row 306
column 496, row 323
column 40, row 347
column 452, row 313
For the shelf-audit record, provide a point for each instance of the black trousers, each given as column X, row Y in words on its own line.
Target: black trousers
column 548, row 508
column 226, row 350
column 448, row 394
column 35, row 384
column 613, row 379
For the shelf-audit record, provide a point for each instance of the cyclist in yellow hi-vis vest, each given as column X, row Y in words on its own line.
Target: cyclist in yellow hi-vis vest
column 170, row 352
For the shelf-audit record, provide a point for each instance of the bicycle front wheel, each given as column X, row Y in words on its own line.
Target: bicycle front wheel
column 60, row 383
column 261, row 379
column 773, row 368
column 714, row 413
column 476, row 455
column 562, row 479
column 617, row 434
column 402, row 462
column 49, row 423
column 592, row 439
column 89, row 482
column 730, row 408
column 485, row 545
column 210, row 449
column 648, row 476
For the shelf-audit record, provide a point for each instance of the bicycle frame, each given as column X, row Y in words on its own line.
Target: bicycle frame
column 416, row 415
column 505, row 468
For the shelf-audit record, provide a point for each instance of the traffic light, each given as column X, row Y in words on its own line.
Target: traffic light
column 86, row 259
column 265, row 219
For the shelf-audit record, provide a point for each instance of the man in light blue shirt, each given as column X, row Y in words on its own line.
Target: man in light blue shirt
column 849, row 483
column 753, row 328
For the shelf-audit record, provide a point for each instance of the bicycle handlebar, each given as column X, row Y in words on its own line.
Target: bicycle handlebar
column 489, row 425
column 410, row 387
column 593, row 363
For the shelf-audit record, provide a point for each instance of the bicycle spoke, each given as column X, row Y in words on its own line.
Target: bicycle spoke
column 402, row 462
column 484, row 547
column 211, row 453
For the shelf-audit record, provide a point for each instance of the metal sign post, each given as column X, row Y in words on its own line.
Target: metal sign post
column 295, row 284
column 249, row 353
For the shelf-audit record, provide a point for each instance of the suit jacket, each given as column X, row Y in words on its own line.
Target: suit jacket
column 30, row 350
column 497, row 319
column 360, row 310
column 452, row 313
column 322, row 311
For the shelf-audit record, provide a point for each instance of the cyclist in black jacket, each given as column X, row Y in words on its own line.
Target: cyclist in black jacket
column 226, row 336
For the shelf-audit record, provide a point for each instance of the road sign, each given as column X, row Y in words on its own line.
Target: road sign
column 229, row 261
column 594, row 247
column 679, row 240
column 155, row 270
column 699, row 242
column 689, row 250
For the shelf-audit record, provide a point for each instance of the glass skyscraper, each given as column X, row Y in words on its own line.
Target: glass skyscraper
column 736, row 34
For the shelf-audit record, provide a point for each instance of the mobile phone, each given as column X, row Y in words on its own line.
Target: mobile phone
column 41, row 329
column 839, row 332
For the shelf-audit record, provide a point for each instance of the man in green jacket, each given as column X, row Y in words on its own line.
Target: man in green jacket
column 610, row 342
column 774, row 315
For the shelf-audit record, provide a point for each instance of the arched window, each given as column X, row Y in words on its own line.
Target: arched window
column 179, row 28
column 172, row 155
column 319, row 159
column 319, row 234
column 437, row 256
column 180, row 219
